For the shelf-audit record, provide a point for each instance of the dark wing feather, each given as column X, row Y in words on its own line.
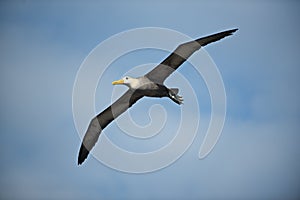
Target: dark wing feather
column 99, row 122
column 181, row 54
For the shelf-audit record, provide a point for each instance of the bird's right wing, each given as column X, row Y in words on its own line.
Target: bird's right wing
column 181, row 54
column 99, row 122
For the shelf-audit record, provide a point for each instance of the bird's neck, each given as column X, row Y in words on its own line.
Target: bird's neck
column 135, row 83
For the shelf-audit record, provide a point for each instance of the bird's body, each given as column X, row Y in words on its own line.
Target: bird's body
column 150, row 85
column 148, row 88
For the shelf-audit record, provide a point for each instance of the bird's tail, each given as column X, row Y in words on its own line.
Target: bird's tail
column 174, row 90
column 173, row 94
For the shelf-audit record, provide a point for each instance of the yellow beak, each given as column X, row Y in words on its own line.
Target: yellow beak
column 121, row 81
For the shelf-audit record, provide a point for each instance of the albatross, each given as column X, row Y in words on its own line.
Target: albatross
column 150, row 85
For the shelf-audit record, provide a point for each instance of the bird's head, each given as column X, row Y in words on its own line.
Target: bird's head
column 128, row 81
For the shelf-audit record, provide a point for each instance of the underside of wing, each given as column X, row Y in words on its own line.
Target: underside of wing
column 99, row 122
column 181, row 54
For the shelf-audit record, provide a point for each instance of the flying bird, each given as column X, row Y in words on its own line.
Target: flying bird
column 150, row 85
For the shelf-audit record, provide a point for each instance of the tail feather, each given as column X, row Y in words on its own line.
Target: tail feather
column 173, row 94
column 174, row 90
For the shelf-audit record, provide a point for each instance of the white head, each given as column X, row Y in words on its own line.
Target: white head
column 128, row 81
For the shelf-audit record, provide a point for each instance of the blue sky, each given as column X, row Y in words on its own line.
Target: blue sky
column 42, row 47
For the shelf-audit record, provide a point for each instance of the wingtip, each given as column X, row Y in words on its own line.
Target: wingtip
column 79, row 162
column 233, row 30
column 83, row 154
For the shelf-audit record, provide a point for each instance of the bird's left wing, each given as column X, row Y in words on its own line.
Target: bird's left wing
column 181, row 54
column 99, row 122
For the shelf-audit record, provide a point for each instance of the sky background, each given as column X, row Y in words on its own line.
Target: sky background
column 43, row 44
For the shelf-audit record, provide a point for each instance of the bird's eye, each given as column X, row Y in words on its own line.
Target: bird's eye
column 126, row 78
